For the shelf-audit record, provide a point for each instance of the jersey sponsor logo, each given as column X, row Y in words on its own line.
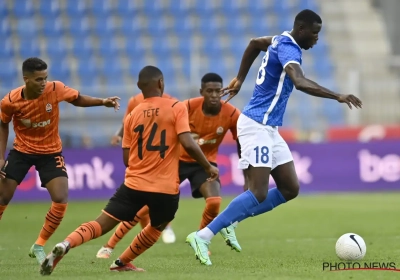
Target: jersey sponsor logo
column 48, row 107
column 28, row 123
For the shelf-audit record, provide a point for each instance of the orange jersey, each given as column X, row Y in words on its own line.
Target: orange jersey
column 151, row 133
column 136, row 100
column 36, row 121
column 209, row 131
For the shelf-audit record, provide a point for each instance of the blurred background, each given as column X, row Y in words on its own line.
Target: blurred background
column 99, row 46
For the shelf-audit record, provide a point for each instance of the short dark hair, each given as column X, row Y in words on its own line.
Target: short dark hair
column 308, row 17
column 33, row 64
column 149, row 73
column 211, row 77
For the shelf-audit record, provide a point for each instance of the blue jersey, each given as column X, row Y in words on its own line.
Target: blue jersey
column 273, row 86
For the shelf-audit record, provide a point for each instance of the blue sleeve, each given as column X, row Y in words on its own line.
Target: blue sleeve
column 289, row 53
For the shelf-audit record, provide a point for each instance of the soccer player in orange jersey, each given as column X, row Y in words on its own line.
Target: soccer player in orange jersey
column 209, row 120
column 168, row 235
column 33, row 108
column 152, row 133
column 132, row 103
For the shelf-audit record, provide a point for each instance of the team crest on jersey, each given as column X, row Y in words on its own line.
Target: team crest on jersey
column 48, row 107
column 220, row 130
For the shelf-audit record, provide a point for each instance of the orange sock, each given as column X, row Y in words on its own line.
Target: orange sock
column 84, row 233
column 124, row 227
column 53, row 219
column 2, row 209
column 210, row 211
column 143, row 241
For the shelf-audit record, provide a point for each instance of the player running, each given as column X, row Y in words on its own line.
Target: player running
column 33, row 108
column 263, row 150
column 152, row 133
column 209, row 119
column 168, row 235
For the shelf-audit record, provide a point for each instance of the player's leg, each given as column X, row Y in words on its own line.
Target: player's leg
column 119, row 208
column 14, row 170
column 53, row 176
column 122, row 229
column 256, row 143
column 284, row 174
column 162, row 209
column 211, row 192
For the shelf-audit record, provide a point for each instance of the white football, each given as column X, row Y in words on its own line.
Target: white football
column 350, row 247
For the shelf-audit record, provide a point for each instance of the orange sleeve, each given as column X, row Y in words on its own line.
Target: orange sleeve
column 6, row 110
column 234, row 119
column 65, row 93
column 181, row 118
column 127, row 139
column 131, row 105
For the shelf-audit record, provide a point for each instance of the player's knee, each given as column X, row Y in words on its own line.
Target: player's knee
column 4, row 200
column 292, row 192
column 260, row 195
column 60, row 199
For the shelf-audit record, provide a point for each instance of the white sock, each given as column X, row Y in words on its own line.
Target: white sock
column 205, row 234
column 235, row 224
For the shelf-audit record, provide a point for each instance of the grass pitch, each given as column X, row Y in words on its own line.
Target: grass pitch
column 291, row 242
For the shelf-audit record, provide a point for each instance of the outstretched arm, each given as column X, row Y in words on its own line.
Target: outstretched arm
column 312, row 88
column 254, row 48
column 256, row 45
column 88, row 101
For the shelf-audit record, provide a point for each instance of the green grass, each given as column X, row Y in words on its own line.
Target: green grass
column 290, row 242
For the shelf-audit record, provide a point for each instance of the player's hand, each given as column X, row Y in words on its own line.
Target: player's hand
column 213, row 172
column 116, row 140
column 2, row 174
column 112, row 102
column 232, row 89
column 350, row 100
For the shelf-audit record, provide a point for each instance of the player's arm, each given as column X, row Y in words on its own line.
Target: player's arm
column 182, row 129
column 4, row 131
column 254, row 48
column 193, row 149
column 88, row 101
column 127, row 140
column 5, row 118
column 256, row 45
column 312, row 88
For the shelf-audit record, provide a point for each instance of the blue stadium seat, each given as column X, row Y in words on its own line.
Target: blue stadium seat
column 135, row 47
column 126, row 8
column 77, row 8
column 56, row 47
column 49, row 9
column 8, row 69
column 6, row 48
column 5, row 27
column 107, row 47
column 28, row 48
column 132, row 26
column 26, row 28
column 78, row 26
column 88, row 68
column 3, row 9
column 105, row 26
column 102, row 8
column 184, row 25
column 52, row 26
column 23, row 8
column 59, row 70
column 82, row 47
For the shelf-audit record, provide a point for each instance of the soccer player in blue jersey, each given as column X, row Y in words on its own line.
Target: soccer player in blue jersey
column 263, row 150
